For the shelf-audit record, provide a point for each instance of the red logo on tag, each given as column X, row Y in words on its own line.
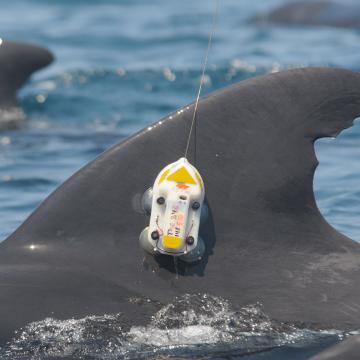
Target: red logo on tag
column 182, row 186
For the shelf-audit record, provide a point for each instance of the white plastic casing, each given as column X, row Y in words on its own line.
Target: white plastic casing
column 174, row 218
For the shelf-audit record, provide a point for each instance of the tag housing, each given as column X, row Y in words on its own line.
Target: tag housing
column 177, row 200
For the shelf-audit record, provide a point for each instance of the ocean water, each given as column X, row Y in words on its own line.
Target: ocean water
column 123, row 64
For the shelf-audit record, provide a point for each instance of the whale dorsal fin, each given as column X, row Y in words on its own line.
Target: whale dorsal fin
column 265, row 238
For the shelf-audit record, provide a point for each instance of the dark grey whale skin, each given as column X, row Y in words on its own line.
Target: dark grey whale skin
column 347, row 350
column 78, row 253
column 17, row 62
column 313, row 13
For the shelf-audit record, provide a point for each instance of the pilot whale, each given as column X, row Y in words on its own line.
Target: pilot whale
column 265, row 239
column 17, row 62
column 313, row 13
column 346, row 350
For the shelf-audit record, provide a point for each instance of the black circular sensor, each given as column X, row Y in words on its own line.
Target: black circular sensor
column 155, row 235
column 160, row 200
column 195, row 205
column 190, row 240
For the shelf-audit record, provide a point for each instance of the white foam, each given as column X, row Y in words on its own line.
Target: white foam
column 190, row 324
column 189, row 335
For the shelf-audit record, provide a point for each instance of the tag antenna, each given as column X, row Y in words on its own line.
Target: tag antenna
column 202, row 78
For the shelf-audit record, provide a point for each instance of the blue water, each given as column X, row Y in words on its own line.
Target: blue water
column 124, row 64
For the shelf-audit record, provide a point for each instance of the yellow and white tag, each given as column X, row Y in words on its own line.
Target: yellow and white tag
column 177, row 199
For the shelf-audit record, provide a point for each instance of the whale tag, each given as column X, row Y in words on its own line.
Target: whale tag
column 177, row 200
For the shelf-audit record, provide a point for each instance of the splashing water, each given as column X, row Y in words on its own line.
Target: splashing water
column 191, row 325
